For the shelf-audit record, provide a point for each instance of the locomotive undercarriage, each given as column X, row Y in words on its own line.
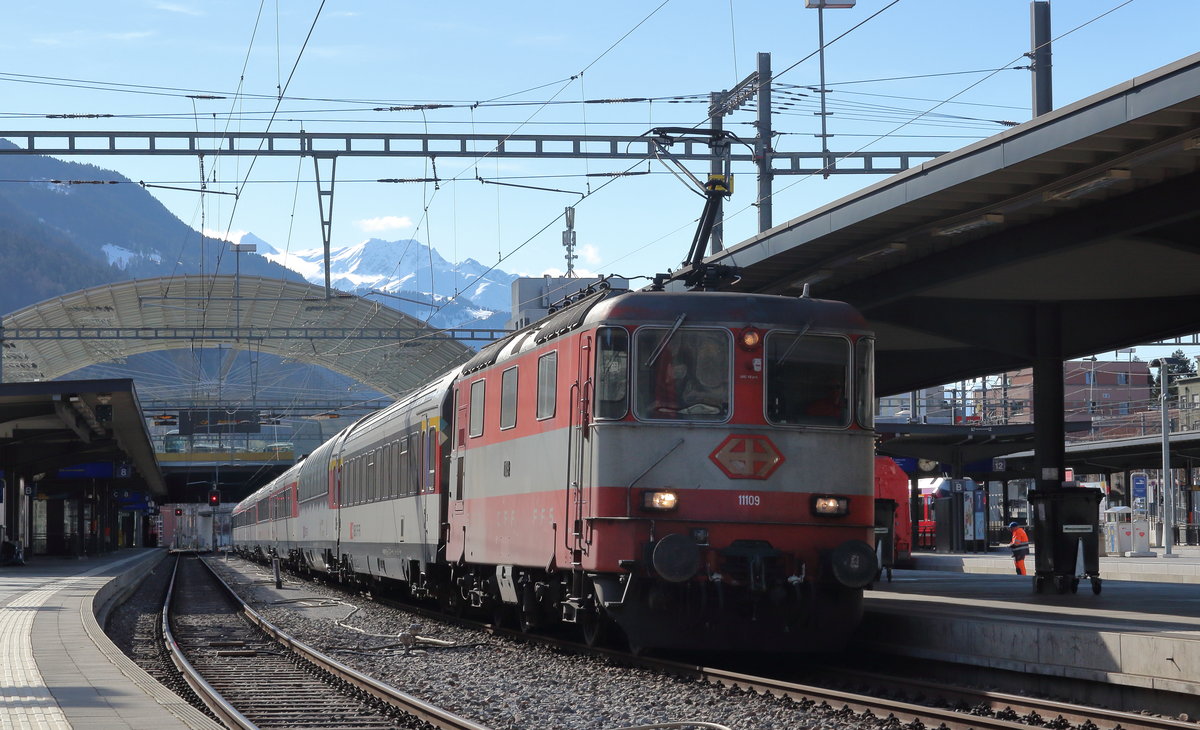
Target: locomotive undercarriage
column 746, row 597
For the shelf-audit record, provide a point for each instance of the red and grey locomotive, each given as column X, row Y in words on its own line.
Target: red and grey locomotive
column 695, row 468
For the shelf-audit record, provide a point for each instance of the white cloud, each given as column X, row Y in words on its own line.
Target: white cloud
column 588, row 254
column 178, row 8
column 384, row 223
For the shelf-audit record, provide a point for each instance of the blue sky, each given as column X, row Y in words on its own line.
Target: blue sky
column 140, row 59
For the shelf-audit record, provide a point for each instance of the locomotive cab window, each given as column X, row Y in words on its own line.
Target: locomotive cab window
column 864, row 377
column 612, row 372
column 682, row 374
column 807, row 380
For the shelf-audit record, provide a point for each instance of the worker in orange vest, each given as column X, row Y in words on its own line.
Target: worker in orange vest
column 1019, row 545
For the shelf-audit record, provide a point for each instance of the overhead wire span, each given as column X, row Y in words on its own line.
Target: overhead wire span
column 941, row 103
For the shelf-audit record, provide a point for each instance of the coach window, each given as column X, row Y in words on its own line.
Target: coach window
column 477, row 393
column 807, row 379
column 373, row 476
column 612, row 372
column 546, row 385
column 508, row 398
column 430, row 457
column 407, row 484
column 682, row 374
column 864, row 381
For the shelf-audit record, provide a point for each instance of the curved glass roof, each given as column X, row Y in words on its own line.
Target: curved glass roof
column 376, row 345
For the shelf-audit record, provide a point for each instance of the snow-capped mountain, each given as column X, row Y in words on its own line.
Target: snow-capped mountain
column 406, row 268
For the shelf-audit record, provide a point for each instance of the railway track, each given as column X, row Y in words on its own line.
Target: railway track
column 904, row 704
column 253, row 676
column 964, row 708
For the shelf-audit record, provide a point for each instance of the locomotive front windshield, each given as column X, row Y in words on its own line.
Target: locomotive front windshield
column 808, row 380
column 682, row 374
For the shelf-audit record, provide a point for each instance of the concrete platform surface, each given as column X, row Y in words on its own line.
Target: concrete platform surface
column 57, row 668
column 1142, row 630
column 1182, row 567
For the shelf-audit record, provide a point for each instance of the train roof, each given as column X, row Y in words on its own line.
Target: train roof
column 619, row 306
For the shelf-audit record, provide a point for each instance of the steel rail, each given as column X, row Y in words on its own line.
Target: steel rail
column 419, row 708
column 1023, row 705
column 226, row 712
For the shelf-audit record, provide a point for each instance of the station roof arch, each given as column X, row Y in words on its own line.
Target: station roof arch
column 376, row 345
column 1086, row 217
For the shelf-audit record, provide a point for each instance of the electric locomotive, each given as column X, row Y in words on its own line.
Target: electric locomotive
column 693, row 468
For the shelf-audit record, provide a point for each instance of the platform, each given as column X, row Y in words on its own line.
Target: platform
column 57, row 668
column 1142, row 630
column 1184, row 567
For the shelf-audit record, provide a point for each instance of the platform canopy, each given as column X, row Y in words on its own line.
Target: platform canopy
column 47, row 427
column 376, row 345
column 1071, row 234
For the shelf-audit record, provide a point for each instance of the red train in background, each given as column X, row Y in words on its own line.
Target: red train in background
column 693, row 468
column 891, row 483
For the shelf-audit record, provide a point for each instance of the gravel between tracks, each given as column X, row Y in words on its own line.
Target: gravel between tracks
column 507, row 684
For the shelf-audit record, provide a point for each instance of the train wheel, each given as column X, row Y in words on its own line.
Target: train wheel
column 596, row 627
column 1074, row 585
column 1039, row 584
column 502, row 615
column 529, row 613
column 1096, row 586
column 451, row 602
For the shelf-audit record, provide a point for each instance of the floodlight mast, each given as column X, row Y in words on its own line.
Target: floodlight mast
column 1168, row 483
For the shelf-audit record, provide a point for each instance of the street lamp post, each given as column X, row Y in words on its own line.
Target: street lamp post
column 1168, row 484
column 1091, row 404
column 820, row 5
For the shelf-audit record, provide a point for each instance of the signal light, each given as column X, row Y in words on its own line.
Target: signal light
column 749, row 339
column 214, row 498
column 178, row 511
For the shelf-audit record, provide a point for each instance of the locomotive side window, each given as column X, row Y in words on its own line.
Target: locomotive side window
column 682, row 374
column 508, row 398
column 547, row 382
column 612, row 372
column 476, row 418
column 864, row 377
column 807, row 380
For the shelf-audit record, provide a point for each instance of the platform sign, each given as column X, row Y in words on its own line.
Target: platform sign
column 1139, row 481
column 980, row 510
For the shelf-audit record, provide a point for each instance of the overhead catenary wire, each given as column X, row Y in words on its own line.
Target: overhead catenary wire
column 939, row 104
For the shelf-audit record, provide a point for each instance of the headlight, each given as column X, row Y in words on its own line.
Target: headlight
column 662, row 500
column 829, row 506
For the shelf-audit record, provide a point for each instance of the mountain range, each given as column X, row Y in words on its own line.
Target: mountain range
column 407, row 275
column 66, row 226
